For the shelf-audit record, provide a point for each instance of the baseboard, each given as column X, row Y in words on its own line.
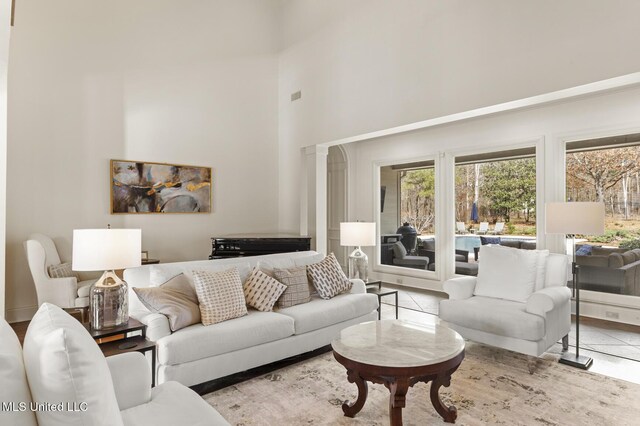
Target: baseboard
column 609, row 312
column 20, row 314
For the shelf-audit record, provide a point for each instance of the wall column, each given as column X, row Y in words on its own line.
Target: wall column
column 5, row 31
column 313, row 197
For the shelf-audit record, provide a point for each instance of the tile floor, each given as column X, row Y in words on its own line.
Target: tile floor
column 615, row 348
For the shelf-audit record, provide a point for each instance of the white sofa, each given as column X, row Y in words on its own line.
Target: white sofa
column 62, row 367
column 530, row 327
column 197, row 354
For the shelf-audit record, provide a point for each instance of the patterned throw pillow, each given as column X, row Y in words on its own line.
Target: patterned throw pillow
column 174, row 299
column 220, row 295
column 328, row 278
column 62, row 270
column 261, row 291
column 297, row 283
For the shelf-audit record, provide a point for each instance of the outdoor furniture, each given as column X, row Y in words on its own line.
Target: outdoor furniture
column 462, row 268
column 460, row 229
column 498, row 229
column 484, row 228
column 401, row 258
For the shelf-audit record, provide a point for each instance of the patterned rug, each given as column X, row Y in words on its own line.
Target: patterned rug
column 492, row 386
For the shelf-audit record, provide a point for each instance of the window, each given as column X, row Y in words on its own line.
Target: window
column 495, row 203
column 407, row 215
column 608, row 170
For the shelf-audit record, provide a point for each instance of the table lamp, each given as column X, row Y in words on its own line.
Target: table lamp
column 571, row 218
column 107, row 250
column 358, row 234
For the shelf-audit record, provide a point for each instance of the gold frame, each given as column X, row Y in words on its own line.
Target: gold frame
column 161, row 164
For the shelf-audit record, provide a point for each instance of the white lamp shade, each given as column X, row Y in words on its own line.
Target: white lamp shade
column 586, row 218
column 106, row 249
column 358, row 234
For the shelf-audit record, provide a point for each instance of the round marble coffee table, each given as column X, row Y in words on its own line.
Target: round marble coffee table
column 398, row 355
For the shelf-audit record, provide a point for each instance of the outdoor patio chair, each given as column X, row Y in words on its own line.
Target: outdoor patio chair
column 498, row 229
column 460, row 229
column 484, row 228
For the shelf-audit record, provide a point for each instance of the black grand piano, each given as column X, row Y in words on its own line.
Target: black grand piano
column 241, row 245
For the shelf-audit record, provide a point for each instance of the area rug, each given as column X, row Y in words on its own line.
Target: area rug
column 492, row 386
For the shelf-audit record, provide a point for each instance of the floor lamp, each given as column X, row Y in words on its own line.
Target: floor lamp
column 584, row 218
column 358, row 234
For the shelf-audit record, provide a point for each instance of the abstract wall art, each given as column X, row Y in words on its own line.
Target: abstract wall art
column 145, row 187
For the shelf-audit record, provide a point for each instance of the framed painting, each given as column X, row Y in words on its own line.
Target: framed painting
column 144, row 187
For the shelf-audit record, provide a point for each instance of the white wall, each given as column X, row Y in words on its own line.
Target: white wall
column 188, row 82
column 5, row 30
column 369, row 65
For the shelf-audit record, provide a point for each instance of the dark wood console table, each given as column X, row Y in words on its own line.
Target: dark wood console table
column 241, row 245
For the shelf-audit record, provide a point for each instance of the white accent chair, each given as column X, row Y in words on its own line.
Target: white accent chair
column 64, row 365
column 460, row 228
column 63, row 292
column 529, row 326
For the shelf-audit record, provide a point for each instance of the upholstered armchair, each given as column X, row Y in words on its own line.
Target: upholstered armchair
column 61, row 363
column 66, row 292
column 519, row 301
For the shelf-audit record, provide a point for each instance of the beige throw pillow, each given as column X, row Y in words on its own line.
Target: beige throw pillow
column 328, row 278
column 174, row 299
column 297, row 283
column 62, row 270
column 261, row 291
column 220, row 295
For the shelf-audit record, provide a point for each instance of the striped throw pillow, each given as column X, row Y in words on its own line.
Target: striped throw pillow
column 261, row 291
column 297, row 283
column 62, row 270
column 328, row 278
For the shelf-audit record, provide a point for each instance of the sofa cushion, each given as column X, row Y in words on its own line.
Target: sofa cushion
column 502, row 317
column 628, row 257
column 399, row 250
column 14, row 388
column 269, row 266
column 197, row 341
column 328, row 277
column 173, row 404
column 506, row 273
column 175, row 299
column 297, row 286
column 491, row 240
column 584, row 250
column 64, row 364
column 637, row 253
column 528, row 245
column 262, row 291
column 320, row 313
column 616, row 260
column 429, row 244
column 220, row 295
column 602, row 261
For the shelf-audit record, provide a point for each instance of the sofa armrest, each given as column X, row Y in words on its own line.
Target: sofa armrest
column 157, row 324
column 131, row 378
column 357, row 286
column 542, row 301
column 460, row 288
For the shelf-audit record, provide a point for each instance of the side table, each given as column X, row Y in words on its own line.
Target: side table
column 137, row 343
column 380, row 293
